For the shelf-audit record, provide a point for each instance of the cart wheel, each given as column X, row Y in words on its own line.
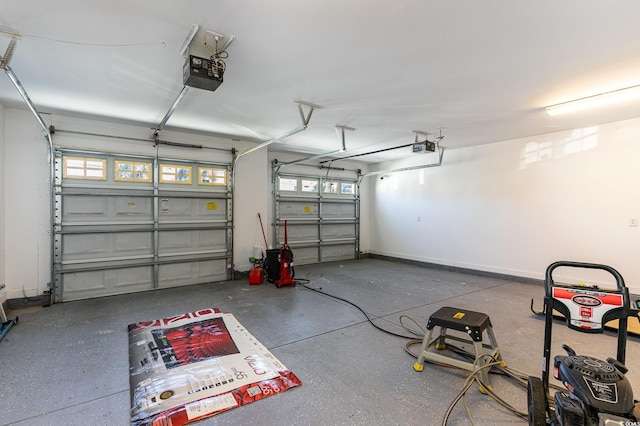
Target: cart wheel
column 536, row 402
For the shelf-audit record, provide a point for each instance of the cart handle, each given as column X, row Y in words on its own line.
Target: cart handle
column 548, row 281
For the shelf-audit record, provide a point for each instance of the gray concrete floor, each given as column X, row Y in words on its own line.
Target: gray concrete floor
column 67, row 364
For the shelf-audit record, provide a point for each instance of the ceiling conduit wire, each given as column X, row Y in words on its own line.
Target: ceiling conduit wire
column 305, row 123
column 4, row 64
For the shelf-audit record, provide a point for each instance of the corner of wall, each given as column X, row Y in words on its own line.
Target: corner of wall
column 2, row 203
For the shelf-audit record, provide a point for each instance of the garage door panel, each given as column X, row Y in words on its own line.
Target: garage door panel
column 82, row 285
column 133, row 242
column 100, row 246
column 339, row 252
column 174, row 241
column 305, row 255
column 302, row 232
column 298, row 209
column 128, row 207
column 77, row 208
column 84, row 246
column 76, row 282
column 177, row 242
column 332, row 231
column 101, row 209
column 179, row 274
column 213, row 238
column 338, row 210
column 126, row 278
column 193, row 209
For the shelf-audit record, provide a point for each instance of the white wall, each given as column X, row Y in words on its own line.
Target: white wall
column 3, row 157
column 26, row 189
column 26, row 206
column 252, row 195
column 514, row 207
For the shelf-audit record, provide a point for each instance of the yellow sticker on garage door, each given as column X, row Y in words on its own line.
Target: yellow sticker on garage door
column 307, row 209
column 212, row 206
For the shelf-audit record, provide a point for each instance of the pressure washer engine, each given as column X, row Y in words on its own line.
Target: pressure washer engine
column 597, row 393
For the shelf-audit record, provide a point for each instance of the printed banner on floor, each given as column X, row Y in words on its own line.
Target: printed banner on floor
column 195, row 365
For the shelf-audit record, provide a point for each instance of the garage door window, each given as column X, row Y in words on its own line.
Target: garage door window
column 288, row 184
column 309, row 185
column 347, row 188
column 170, row 173
column 132, row 171
column 211, row 176
column 84, row 168
column 330, row 187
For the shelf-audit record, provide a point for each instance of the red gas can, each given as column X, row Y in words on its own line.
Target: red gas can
column 256, row 275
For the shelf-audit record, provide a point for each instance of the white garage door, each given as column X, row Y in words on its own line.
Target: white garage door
column 322, row 215
column 130, row 223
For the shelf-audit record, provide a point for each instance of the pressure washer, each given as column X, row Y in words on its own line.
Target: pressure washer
column 596, row 391
column 279, row 266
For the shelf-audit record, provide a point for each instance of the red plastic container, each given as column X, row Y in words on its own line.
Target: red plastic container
column 256, row 275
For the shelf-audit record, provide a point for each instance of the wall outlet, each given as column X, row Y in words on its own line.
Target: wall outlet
column 633, row 221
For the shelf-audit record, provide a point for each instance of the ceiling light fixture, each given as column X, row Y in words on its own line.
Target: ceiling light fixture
column 602, row 99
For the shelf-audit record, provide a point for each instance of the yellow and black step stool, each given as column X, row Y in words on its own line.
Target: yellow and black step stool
column 474, row 324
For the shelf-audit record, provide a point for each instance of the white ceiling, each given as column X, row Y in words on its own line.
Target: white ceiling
column 482, row 71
